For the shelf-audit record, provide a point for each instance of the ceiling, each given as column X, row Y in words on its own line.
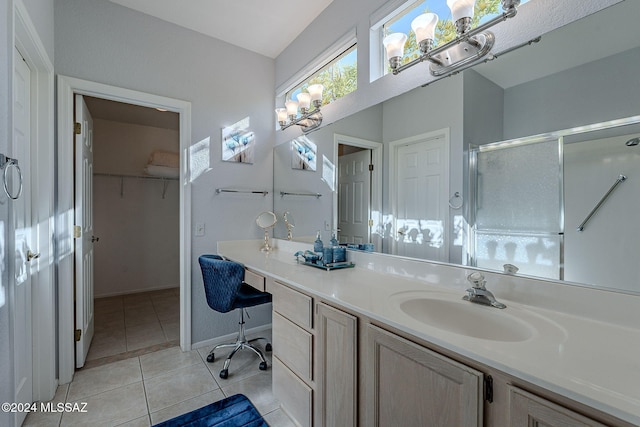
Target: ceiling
column 132, row 114
column 260, row 26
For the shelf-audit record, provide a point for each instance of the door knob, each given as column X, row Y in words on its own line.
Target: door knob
column 94, row 239
column 31, row 255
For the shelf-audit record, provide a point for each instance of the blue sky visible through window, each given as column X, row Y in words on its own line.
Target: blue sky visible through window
column 402, row 23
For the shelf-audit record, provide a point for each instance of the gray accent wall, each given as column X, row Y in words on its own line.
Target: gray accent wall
column 101, row 41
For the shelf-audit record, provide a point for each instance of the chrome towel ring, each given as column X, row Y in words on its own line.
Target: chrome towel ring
column 5, row 164
column 456, row 201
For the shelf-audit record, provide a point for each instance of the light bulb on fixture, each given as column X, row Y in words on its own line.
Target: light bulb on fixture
column 308, row 120
column 292, row 109
column 462, row 13
column 304, row 102
column 394, row 44
column 315, row 92
column 425, row 27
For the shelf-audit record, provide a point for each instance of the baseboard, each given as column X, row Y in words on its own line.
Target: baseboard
column 229, row 337
column 135, row 291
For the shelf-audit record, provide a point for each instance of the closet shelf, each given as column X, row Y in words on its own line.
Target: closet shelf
column 115, row 175
column 164, row 180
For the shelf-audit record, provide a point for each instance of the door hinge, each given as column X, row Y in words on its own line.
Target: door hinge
column 488, row 388
column 77, row 128
column 370, row 168
column 77, row 334
column 77, row 231
column 370, row 223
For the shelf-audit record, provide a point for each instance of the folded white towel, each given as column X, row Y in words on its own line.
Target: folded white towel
column 165, row 158
column 162, row 171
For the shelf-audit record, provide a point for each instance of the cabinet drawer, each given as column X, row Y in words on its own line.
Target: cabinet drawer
column 296, row 397
column 255, row 280
column 293, row 346
column 293, row 305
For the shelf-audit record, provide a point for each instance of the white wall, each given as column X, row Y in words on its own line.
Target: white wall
column 6, row 73
column 41, row 14
column 103, row 42
column 139, row 246
column 602, row 90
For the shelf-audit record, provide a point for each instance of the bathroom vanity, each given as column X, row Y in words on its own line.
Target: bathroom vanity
column 391, row 342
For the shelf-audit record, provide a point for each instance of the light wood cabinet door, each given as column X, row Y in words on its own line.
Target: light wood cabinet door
column 336, row 358
column 529, row 410
column 409, row 385
column 295, row 396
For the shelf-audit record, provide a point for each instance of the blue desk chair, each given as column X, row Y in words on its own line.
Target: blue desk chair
column 225, row 290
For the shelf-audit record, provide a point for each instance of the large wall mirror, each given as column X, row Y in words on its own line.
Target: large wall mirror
column 576, row 91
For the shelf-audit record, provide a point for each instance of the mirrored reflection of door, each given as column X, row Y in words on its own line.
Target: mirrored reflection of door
column 421, row 189
column 354, row 197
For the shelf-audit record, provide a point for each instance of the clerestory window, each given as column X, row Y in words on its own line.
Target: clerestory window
column 339, row 77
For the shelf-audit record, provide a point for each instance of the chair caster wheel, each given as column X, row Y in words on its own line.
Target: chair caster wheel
column 224, row 374
column 268, row 347
column 263, row 366
column 210, row 358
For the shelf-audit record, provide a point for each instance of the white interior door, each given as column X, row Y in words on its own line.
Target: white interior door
column 21, row 210
column 84, row 227
column 354, row 197
column 422, row 188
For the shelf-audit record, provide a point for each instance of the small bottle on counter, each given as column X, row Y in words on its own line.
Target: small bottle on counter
column 317, row 245
column 334, row 241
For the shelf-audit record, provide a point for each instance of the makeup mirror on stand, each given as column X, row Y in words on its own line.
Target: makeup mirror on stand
column 266, row 220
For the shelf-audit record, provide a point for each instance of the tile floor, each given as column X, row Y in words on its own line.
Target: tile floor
column 136, row 321
column 137, row 387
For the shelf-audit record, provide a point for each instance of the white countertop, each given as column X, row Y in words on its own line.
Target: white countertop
column 593, row 362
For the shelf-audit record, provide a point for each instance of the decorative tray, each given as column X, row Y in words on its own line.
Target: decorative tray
column 330, row 266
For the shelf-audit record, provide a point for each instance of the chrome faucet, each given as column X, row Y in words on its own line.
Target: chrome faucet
column 478, row 293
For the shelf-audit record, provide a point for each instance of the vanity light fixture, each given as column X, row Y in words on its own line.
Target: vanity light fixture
column 308, row 119
column 469, row 45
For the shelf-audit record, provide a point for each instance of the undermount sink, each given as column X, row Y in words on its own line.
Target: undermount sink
column 466, row 318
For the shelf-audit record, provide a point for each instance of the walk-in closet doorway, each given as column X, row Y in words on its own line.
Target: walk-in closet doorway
column 136, row 224
column 75, row 302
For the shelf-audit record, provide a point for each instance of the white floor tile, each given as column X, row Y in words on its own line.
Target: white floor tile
column 186, row 406
column 92, row 381
column 111, row 408
column 178, row 385
column 163, row 361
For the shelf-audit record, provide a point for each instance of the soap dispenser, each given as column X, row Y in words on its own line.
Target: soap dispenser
column 334, row 241
column 317, row 245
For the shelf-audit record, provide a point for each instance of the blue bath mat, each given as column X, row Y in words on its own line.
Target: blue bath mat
column 234, row 411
